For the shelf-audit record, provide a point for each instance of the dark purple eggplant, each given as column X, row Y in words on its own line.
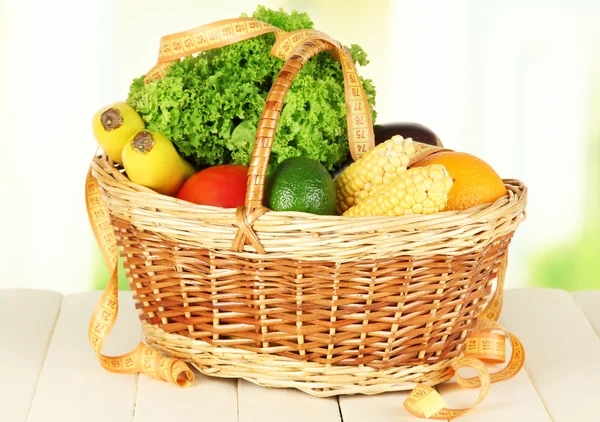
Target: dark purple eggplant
column 416, row 131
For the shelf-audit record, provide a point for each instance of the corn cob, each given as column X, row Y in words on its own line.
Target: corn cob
column 377, row 167
column 419, row 190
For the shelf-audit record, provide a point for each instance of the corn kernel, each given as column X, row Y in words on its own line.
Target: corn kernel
column 420, row 195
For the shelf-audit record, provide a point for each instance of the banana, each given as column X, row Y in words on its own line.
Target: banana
column 113, row 126
column 151, row 160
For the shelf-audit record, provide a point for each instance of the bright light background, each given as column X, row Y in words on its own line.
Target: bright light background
column 514, row 82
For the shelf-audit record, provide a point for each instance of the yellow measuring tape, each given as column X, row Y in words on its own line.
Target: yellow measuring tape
column 143, row 359
column 207, row 37
column 482, row 345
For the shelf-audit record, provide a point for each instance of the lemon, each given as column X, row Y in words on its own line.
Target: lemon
column 301, row 184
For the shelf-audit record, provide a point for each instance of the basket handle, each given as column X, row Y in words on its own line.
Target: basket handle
column 360, row 128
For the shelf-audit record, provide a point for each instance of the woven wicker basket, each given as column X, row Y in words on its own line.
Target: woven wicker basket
column 326, row 304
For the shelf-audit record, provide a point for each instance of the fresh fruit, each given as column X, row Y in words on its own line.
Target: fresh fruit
column 420, row 190
column 300, row 184
column 379, row 166
column 151, row 160
column 417, row 132
column 220, row 186
column 475, row 182
column 113, row 126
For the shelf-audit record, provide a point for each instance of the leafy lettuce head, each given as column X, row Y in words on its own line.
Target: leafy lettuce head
column 209, row 105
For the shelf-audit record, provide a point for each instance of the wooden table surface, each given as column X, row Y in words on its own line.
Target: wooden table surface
column 50, row 373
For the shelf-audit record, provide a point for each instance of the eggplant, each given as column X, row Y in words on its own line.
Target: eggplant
column 416, row 131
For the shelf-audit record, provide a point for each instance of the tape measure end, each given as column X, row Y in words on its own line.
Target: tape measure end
column 185, row 379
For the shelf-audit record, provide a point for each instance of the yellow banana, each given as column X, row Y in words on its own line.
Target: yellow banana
column 113, row 126
column 151, row 160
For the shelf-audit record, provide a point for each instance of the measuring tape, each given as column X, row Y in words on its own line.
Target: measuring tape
column 207, row 37
column 481, row 346
column 361, row 137
column 143, row 358
column 425, row 402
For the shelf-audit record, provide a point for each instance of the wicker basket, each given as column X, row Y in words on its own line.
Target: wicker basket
column 326, row 304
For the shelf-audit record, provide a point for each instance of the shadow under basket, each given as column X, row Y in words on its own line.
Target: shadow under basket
column 335, row 305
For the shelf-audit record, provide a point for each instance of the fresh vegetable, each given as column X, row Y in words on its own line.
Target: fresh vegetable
column 151, row 160
column 220, row 186
column 416, row 131
column 419, row 190
column 381, row 165
column 210, row 105
column 113, row 126
column 300, row 184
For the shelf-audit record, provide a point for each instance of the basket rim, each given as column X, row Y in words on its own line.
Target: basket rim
column 517, row 191
column 297, row 234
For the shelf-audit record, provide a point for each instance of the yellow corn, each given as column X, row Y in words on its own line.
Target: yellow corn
column 419, row 190
column 377, row 167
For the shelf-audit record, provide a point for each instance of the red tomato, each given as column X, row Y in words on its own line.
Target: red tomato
column 221, row 186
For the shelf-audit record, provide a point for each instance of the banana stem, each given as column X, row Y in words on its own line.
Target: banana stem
column 111, row 119
column 143, row 142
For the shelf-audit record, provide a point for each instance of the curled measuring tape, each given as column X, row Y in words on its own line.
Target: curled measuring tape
column 143, row 359
column 483, row 345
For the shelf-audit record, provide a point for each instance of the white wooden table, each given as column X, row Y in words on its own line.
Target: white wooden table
column 48, row 371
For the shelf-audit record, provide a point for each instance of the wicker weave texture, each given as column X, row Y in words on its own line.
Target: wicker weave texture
column 378, row 313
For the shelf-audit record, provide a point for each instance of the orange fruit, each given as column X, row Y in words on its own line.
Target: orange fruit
column 475, row 182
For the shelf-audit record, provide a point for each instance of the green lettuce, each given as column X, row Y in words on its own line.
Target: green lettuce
column 209, row 104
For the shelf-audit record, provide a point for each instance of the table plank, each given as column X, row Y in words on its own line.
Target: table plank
column 207, row 399
column 589, row 302
column 386, row 407
column 559, row 346
column 256, row 403
column 72, row 385
column 28, row 318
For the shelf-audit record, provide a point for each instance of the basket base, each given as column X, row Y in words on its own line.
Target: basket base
column 313, row 378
